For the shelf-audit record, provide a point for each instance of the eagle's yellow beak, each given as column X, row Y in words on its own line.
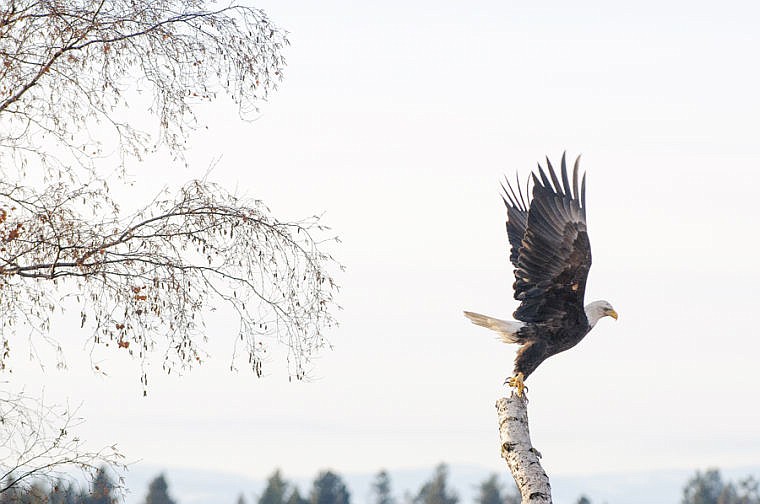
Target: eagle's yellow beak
column 613, row 314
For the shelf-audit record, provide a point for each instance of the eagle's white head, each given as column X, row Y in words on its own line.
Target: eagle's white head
column 599, row 309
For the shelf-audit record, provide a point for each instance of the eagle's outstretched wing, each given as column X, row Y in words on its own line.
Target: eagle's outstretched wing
column 555, row 254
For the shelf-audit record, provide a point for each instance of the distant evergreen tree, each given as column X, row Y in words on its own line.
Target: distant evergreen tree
column 276, row 490
column 748, row 491
column 492, row 491
column 381, row 489
column 36, row 494
column 295, row 497
column 158, row 492
column 102, row 489
column 703, row 488
column 583, row 500
column 709, row 488
column 329, row 488
column 10, row 493
column 436, row 490
column 241, row 499
column 728, row 495
column 65, row 494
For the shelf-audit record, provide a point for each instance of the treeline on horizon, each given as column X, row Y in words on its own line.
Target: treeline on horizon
column 328, row 487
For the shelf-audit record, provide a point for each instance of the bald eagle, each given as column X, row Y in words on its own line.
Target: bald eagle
column 551, row 253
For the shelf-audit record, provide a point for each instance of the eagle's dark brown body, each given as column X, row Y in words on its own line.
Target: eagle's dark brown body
column 539, row 342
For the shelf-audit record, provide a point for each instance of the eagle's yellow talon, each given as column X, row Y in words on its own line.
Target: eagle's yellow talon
column 518, row 382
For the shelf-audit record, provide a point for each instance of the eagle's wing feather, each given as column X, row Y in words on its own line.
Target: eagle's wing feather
column 517, row 216
column 554, row 256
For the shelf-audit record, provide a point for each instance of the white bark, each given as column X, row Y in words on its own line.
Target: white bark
column 521, row 457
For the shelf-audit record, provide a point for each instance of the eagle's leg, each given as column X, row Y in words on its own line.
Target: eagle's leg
column 518, row 382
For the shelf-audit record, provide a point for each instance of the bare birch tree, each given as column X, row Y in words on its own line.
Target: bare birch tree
column 137, row 277
column 523, row 460
column 68, row 72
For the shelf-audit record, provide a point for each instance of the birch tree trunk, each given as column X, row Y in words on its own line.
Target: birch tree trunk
column 517, row 450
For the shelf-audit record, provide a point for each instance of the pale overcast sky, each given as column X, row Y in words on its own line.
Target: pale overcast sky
column 396, row 120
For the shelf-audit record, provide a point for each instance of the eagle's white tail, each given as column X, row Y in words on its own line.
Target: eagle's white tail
column 507, row 329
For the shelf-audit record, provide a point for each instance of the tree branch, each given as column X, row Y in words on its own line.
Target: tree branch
column 39, row 444
column 152, row 276
column 517, row 450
